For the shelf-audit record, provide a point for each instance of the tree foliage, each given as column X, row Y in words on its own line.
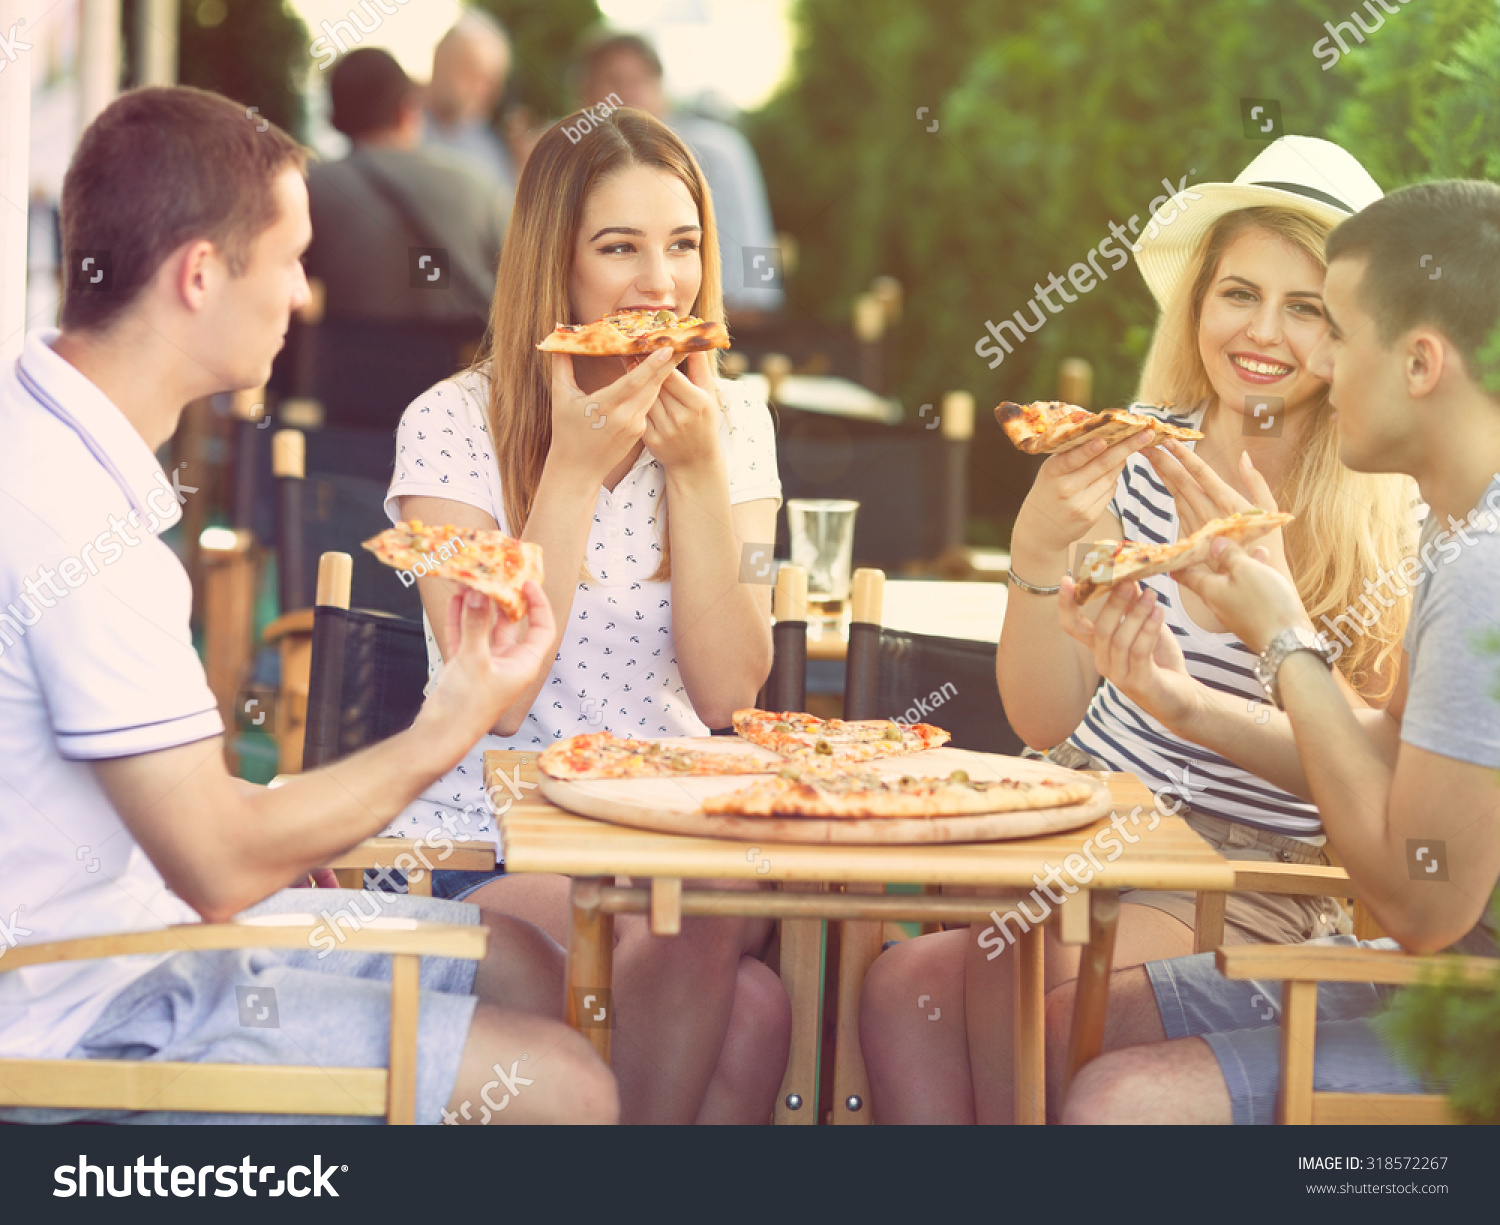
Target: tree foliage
column 543, row 34
column 256, row 54
column 1052, row 121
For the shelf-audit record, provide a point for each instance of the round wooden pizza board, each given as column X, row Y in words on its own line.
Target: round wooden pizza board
column 674, row 805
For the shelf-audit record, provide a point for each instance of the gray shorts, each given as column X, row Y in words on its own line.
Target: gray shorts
column 1241, row 1022
column 328, row 1012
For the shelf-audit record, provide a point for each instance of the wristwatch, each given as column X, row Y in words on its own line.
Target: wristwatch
column 1287, row 642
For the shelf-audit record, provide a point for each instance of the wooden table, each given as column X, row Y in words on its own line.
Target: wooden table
column 540, row 837
column 920, row 606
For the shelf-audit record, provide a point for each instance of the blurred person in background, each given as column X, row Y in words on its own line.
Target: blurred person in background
column 627, row 66
column 469, row 69
column 406, row 241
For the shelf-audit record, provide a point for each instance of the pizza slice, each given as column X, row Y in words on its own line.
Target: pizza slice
column 794, row 734
column 603, row 755
column 1050, row 426
column 1111, row 562
column 862, row 793
column 490, row 562
column 632, row 333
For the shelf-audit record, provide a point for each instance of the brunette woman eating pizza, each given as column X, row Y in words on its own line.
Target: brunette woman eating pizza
column 1238, row 273
column 641, row 479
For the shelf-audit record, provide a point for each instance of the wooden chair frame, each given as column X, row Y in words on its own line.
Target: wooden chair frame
column 335, row 571
column 1300, row 968
column 128, row 1084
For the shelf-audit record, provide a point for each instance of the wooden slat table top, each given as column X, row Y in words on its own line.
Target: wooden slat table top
column 540, row 837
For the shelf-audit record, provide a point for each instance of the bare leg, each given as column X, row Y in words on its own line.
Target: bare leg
column 753, row 1058
column 673, row 999
column 1170, row 1082
column 1133, row 1020
column 911, row 1030
column 568, row 1082
column 517, row 1035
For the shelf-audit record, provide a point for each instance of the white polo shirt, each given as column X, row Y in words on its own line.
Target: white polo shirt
column 96, row 661
column 616, row 669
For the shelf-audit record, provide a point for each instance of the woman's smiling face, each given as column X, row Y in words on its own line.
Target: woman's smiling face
column 1262, row 318
column 639, row 246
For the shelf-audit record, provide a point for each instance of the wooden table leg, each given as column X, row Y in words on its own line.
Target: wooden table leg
column 589, row 1005
column 802, row 976
column 859, row 946
column 1030, row 1029
column 1092, row 999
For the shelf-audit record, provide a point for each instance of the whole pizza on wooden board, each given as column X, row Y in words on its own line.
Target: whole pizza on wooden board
column 602, row 755
column 798, row 735
column 863, row 793
column 1050, row 426
column 1111, row 562
column 490, row 562
column 631, row 333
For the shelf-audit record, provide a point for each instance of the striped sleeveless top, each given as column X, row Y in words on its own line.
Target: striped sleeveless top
column 1119, row 732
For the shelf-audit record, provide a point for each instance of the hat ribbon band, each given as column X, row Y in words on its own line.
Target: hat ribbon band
column 1311, row 193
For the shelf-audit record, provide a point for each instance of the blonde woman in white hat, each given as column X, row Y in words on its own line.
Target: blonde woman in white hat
column 1237, row 269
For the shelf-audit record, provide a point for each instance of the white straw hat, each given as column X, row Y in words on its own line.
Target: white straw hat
column 1304, row 173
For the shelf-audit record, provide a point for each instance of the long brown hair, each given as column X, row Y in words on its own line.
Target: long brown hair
column 1350, row 525
column 536, row 268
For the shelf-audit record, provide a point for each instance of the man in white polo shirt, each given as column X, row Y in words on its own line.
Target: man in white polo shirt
column 184, row 226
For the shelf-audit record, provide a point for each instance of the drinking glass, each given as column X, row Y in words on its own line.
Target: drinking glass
column 822, row 535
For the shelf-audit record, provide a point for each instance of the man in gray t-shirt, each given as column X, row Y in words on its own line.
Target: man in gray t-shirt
column 1409, row 795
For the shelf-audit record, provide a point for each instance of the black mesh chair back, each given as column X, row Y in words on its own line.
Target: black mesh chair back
column 920, row 678
column 368, row 674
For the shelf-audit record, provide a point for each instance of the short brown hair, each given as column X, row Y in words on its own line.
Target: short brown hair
column 158, row 168
column 1432, row 255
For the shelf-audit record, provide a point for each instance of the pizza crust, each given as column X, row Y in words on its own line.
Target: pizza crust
column 798, row 735
column 1050, row 427
column 596, row 755
column 865, row 796
column 1112, row 562
column 636, row 333
column 488, row 561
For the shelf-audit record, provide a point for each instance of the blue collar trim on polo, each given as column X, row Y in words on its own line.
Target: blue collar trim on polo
column 32, row 381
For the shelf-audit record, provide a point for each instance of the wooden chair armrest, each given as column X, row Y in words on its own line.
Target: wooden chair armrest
column 473, row 856
column 292, row 931
column 1341, row 964
column 298, row 621
column 1301, row 879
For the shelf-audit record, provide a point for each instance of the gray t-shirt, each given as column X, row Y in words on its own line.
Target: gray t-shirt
column 1453, row 699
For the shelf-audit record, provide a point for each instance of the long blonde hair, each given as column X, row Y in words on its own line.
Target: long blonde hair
column 536, row 267
column 1350, row 526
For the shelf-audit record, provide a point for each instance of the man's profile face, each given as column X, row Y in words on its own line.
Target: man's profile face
column 1367, row 391
column 253, row 310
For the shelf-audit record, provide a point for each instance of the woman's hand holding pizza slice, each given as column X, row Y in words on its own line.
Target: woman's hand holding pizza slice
column 594, row 431
column 1072, row 491
column 1133, row 649
column 1203, row 496
column 682, row 427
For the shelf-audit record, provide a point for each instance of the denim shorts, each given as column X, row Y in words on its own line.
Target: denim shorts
column 1241, row 1022
column 285, row 1006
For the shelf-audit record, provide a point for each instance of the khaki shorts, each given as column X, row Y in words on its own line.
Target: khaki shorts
column 1249, row 918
